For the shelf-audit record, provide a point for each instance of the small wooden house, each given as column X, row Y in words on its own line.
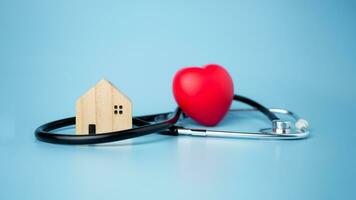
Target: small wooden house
column 103, row 109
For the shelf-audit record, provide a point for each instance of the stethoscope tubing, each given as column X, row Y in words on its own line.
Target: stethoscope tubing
column 167, row 125
column 44, row 133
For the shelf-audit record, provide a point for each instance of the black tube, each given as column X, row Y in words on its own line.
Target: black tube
column 271, row 116
column 43, row 133
column 144, row 127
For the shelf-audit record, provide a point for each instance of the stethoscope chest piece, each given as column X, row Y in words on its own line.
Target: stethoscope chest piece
column 281, row 127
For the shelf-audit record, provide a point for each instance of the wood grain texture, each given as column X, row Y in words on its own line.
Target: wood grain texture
column 106, row 107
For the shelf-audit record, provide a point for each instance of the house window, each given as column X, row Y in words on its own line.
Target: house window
column 118, row 107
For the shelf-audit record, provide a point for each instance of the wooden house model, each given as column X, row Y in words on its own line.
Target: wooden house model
column 103, row 109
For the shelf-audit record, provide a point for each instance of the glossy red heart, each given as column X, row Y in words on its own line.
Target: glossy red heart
column 204, row 94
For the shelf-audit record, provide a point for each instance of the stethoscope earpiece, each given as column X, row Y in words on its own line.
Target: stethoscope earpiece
column 302, row 124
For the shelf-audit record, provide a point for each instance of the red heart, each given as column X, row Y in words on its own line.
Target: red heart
column 204, row 94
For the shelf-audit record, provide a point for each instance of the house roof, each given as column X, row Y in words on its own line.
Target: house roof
column 105, row 83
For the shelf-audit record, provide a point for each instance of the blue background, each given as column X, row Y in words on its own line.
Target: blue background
column 299, row 55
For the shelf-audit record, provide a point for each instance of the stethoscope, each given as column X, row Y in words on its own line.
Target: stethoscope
column 168, row 124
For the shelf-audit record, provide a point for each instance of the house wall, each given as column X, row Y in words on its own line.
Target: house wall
column 105, row 107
